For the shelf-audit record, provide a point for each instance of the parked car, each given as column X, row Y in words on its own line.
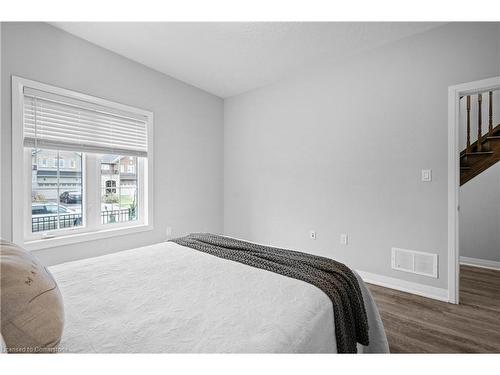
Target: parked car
column 44, row 216
column 71, row 197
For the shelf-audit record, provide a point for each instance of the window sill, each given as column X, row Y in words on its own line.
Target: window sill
column 84, row 237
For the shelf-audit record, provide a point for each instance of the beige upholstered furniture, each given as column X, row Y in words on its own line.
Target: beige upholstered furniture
column 32, row 314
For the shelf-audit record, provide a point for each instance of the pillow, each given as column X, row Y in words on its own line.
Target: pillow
column 32, row 313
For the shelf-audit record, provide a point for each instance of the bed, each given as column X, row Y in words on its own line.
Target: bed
column 167, row 298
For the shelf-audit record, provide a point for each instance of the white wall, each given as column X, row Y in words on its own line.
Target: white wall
column 480, row 216
column 339, row 149
column 1, row 161
column 188, row 148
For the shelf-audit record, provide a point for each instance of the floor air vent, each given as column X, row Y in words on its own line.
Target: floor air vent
column 415, row 262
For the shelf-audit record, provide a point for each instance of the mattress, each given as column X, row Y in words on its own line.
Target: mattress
column 166, row 298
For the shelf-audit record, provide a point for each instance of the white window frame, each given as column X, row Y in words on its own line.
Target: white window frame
column 91, row 228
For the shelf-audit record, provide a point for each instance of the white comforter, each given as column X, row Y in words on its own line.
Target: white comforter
column 167, row 298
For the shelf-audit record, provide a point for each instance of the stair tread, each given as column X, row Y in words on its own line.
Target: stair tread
column 479, row 153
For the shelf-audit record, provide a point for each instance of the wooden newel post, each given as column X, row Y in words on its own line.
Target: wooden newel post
column 479, row 122
column 490, row 130
column 468, row 125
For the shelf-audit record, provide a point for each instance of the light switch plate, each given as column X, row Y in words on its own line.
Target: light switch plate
column 426, row 175
column 312, row 234
column 343, row 239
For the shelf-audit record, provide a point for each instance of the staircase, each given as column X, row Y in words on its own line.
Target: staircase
column 485, row 151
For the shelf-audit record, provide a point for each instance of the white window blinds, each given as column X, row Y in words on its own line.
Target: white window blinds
column 58, row 122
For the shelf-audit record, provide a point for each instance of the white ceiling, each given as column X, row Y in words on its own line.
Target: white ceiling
column 227, row 59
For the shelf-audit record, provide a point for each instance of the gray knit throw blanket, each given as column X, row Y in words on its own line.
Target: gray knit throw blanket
column 335, row 279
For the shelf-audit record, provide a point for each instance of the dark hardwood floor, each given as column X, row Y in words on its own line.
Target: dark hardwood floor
column 421, row 325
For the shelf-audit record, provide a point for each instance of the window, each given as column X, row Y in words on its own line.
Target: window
column 119, row 190
column 110, row 186
column 48, row 191
column 88, row 161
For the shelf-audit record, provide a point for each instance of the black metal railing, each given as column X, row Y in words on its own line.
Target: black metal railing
column 45, row 223
column 117, row 216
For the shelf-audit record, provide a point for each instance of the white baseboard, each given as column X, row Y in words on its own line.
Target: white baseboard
column 405, row 286
column 483, row 263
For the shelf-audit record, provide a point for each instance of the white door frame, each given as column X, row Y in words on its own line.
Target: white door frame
column 454, row 94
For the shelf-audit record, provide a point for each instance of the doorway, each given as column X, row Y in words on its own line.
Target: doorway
column 456, row 95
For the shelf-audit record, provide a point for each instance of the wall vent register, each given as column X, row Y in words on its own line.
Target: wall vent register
column 417, row 262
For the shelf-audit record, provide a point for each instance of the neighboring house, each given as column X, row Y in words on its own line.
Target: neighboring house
column 52, row 175
column 44, row 177
column 118, row 175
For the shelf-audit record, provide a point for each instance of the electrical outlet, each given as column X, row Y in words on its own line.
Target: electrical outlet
column 426, row 175
column 343, row 239
column 312, row 234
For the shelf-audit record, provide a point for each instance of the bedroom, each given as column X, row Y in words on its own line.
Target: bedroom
column 336, row 140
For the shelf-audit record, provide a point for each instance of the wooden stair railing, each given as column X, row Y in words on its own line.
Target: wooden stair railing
column 485, row 151
column 469, row 150
column 479, row 121
column 490, row 110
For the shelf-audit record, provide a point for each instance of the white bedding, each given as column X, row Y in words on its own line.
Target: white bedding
column 166, row 298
